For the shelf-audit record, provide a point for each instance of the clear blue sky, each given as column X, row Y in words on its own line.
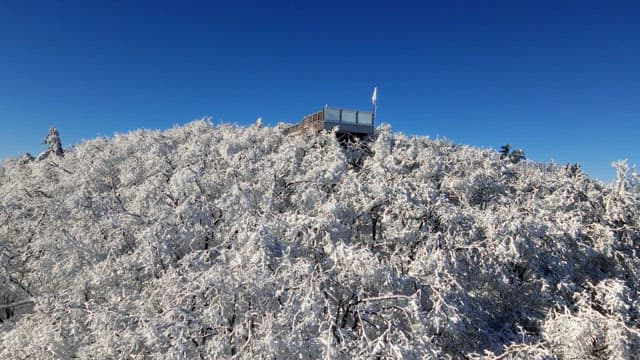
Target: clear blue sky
column 560, row 79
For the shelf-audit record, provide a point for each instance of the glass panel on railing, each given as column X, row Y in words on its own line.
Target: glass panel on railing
column 332, row 115
column 365, row 118
column 348, row 116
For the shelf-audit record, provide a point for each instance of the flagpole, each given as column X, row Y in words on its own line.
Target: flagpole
column 374, row 100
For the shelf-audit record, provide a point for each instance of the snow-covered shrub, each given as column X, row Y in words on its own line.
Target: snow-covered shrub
column 210, row 242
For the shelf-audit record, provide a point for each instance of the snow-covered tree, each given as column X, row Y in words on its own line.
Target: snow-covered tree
column 55, row 145
column 210, row 242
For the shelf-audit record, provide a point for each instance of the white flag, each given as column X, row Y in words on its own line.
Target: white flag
column 374, row 97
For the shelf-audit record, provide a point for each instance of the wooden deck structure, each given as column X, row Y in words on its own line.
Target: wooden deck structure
column 350, row 123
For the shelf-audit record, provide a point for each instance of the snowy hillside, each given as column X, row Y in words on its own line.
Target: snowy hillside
column 208, row 242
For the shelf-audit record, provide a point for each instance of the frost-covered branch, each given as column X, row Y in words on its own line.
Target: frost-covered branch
column 16, row 304
column 208, row 241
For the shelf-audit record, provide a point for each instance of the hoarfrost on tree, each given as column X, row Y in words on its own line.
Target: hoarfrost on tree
column 208, row 241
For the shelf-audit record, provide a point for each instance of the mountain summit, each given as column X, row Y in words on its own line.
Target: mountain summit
column 207, row 242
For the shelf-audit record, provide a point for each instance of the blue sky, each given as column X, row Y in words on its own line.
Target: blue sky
column 559, row 79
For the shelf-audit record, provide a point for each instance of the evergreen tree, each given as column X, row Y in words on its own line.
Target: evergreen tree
column 504, row 151
column 516, row 156
column 55, row 144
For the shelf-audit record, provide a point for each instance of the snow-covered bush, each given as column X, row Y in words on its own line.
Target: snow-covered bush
column 221, row 241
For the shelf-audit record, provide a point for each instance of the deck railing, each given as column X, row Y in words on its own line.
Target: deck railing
column 313, row 122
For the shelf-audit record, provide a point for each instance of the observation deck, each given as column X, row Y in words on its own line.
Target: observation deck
column 350, row 123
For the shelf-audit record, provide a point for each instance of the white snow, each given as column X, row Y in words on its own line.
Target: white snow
column 216, row 241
